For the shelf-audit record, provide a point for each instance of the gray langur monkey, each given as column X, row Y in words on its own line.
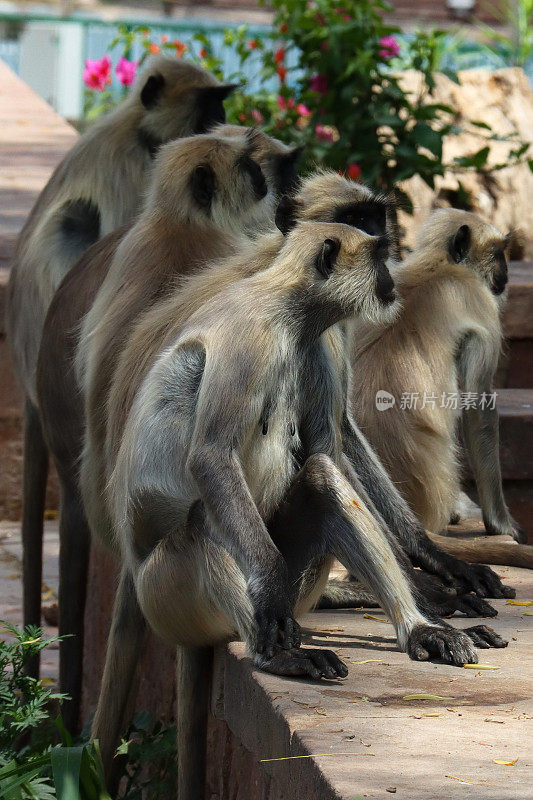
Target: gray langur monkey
column 446, row 340
column 227, row 478
column 207, row 190
column 96, row 188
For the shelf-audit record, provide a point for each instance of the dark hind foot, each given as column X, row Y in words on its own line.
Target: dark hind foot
column 484, row 637
column 477, row 578
column 446, row 643
column 304, row 661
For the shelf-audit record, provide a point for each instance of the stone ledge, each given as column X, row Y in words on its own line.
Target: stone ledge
column 365, row 713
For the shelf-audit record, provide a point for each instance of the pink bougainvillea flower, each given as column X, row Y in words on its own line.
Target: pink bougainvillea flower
column 318, row 83
column 354, row 171
column 302, row 110
column 279, row 55
column 256, row 114
column 326, row 133
column 282, row 72
column 97, row 74
column 126, row 71
column 389, row 47
column 180, row 47
column 282, row 103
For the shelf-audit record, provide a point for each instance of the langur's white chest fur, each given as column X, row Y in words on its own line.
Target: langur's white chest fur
column 273, row 438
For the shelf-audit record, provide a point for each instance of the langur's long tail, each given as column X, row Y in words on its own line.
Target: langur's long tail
column 127, row 639
column 484, row 550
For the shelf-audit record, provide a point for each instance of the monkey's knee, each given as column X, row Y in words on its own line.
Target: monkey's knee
column 320, row 474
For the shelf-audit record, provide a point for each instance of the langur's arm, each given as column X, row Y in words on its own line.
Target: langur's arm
column 405, row 526
column 481, row 436
column 222, row 416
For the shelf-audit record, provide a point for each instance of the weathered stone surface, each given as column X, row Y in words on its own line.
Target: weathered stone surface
column 504, row 100
column 426, row 749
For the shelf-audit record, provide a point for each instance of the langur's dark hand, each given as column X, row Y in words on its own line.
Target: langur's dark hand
column 273, row 613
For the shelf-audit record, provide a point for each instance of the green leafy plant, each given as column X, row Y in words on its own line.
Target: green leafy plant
column 149, row 750
column 332, row 78
column 39, row 759
column 342, row 94
column 515, row 47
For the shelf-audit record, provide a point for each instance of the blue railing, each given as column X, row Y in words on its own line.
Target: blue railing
column 98, row 34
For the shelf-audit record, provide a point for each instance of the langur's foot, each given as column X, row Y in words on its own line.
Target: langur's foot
column 479, row 579
column 509, row 528
column 468, row 604
column 439, row 600
column 484, row 637
column 305, row 661
column 450, row 645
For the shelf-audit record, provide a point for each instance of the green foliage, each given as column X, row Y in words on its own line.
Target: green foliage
column 150, row 752
column 517, row 15
column 331, row 78
column 39, row 758
column 341, row 67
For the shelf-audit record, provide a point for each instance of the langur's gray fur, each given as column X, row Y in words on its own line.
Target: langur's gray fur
column 226, row 477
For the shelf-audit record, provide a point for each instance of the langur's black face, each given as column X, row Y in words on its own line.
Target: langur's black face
column 210, row 106
column 500, row 274
column 251, row 168
column 285, row 171
column 369, row 216
column 384, row 282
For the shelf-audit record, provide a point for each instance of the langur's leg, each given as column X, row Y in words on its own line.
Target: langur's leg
column 481, row 436
column 442, row 599
column 193, row 687
column 35, row 474
column 323, row 513
column 346, row 594
column 407, row 529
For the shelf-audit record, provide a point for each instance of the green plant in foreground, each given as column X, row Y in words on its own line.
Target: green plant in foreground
column 39, row 758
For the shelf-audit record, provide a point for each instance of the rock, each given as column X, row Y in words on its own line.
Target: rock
column 504, row 100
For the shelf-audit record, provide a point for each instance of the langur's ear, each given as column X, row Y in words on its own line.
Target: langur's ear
column 286, row 214
column 203, row 185
column 460, row 244
column 211, row 94
column 327, row 257
column 152, row 89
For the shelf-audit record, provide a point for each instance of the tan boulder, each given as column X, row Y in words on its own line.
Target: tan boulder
column 504, row 100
